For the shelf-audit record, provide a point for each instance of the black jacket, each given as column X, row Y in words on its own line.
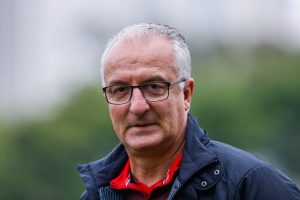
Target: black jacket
column 209, row 170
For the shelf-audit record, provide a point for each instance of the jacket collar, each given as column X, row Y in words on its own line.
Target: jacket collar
column 195, row 155
column 99, row 173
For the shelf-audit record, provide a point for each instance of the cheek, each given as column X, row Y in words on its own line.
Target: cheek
column 176, row 110
column 176, row 103
column 171, row 111
column 116, row 114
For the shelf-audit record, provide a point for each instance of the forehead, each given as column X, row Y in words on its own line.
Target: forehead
column 140, row 59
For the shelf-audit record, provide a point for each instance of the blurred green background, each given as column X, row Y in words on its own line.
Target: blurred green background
column 246, row 66
column 250, row 101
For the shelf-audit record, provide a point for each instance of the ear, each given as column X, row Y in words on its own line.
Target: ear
column 188, row 93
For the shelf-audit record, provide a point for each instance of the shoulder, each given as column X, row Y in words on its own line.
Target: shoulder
column 252, row 177
column 236, row 162
column 235, row 158
column 98, row 173
column 267, row 182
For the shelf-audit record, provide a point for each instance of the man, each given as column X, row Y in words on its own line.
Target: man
column 164, row 154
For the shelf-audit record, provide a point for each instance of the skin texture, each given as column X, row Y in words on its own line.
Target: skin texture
column 152, row 132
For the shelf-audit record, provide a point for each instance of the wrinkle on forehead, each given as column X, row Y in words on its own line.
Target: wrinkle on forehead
column 138, row 75
column 135, row 54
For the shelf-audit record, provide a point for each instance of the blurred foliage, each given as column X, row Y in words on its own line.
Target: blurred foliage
column 250, row 100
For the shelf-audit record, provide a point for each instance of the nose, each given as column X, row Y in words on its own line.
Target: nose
column 138, row 104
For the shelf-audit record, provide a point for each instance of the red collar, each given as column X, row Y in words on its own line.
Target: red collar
column 125, row 180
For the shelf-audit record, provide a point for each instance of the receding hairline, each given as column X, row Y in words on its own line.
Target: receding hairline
column 136, row 38
column 147, row 31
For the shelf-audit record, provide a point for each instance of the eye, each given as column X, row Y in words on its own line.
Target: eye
column 118, row 90
column 155, row 88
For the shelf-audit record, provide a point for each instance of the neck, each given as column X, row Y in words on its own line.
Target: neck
column 152, row 168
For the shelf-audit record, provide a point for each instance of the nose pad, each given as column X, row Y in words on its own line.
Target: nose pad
column 138, row 103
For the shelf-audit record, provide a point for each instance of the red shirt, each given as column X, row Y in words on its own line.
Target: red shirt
column 139, row 191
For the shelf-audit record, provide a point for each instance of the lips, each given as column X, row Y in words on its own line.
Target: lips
column 141, row 125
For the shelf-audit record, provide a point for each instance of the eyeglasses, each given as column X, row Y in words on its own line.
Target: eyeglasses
column 152, row 91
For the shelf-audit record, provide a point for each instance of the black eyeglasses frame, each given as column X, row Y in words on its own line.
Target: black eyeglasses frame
column 169, row 84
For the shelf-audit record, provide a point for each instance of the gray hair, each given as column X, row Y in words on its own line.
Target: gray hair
column 144, row 31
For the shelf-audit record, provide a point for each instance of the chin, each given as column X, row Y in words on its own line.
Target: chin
column 144, row 144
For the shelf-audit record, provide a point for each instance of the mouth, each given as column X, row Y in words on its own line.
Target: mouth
column 141, row 125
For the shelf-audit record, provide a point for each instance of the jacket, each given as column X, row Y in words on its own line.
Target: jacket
column 209, row 170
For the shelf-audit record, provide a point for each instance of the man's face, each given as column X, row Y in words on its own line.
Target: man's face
column 140, row 125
